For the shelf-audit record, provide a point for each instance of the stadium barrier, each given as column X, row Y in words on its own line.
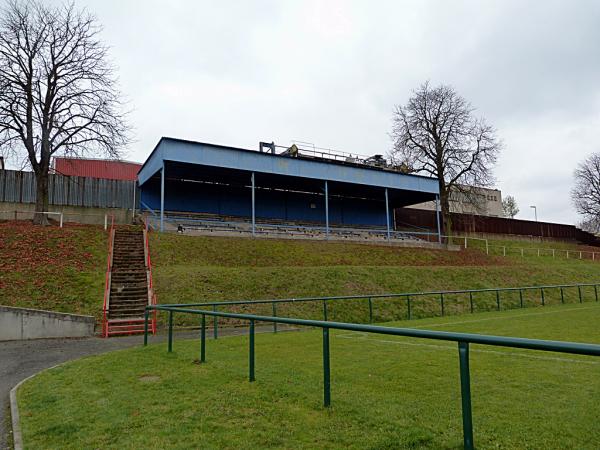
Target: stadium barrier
column 441, row 296
column 462, row 339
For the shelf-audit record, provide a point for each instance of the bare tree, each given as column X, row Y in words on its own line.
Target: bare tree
column 57, row 89
column 586, row 192
column 509, row 207
column 436, row 133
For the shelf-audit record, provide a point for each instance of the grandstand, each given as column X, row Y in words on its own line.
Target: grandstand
column 279, row 192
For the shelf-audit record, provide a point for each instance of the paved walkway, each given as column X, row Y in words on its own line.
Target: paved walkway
column 20, row 359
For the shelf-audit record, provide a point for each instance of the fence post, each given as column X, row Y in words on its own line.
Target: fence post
column 543, row 299
column 203, row 339
column 521, row 297
column 325, row 310
column 471, row 301
column 170, row 343
column 370, row 310
column 465, row 242
column 503, row 250
column 409, row 308
column 553, row 253
column 326, row 369
column 215, row 324
column 538, row 252
column 523, row 253
column 61, row 220
column 580, row 253
column 251, row 353
column 146, row 327
column 105, row 222
column 487, row 248
column 274, row 315
column 442, row 303
column 579, row 291
column 465, row 392
column 596, row 291
column 562, row 295
column 567, row 254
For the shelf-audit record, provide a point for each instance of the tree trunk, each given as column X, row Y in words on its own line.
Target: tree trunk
column 445, row 210
column 41, row 199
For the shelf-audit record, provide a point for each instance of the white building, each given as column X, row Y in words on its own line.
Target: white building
column 479, row 201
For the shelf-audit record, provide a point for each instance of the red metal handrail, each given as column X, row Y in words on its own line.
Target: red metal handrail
column 107, row 276
column 149, row 267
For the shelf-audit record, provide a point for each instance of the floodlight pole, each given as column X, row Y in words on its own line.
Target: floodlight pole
column 387, row 213
column 437, row 216
column 162, row 197
column 253, row 207
column 326, row 210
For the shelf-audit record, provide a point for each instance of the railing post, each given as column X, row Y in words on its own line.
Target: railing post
column 471, row 301
column 442, row 303
column 170, row 343
column 146, row 312
column 251, row 353
column 562, row 295
column 465, row 392
column 370, row 310
column 409, row 308
column 543, row 299
column 326, row 369
column 215, row 324
column 325, row 310
column 274, row 315
column 579, row 291
column 497, row 299
column 521, row 297
column 203, row 339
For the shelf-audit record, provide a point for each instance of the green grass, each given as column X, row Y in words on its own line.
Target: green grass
column 195, row 269
column 52, row 268
column 386, row 392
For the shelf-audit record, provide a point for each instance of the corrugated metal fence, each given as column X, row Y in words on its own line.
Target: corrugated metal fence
column 20, row 187
column 469, row 223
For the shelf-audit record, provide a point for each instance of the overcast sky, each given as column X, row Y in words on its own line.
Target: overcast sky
column 330, row 72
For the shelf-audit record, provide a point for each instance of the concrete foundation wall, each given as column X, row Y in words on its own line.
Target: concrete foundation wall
column 23, row 323
column 77, row 214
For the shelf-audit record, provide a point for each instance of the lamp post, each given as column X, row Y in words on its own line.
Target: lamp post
column 535, row 211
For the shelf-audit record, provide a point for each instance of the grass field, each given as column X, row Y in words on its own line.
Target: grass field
column 387, row 392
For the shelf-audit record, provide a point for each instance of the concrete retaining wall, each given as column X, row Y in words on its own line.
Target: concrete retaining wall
column 23, row 323
column 77, row 214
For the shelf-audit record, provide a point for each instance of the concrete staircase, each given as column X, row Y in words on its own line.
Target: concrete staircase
column 129, row 284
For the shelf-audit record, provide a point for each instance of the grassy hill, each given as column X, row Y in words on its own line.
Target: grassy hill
column 52, row 268
column 195, row 269
column 63, row 269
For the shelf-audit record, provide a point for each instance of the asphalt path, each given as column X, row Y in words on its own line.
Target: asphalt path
column 21, row 359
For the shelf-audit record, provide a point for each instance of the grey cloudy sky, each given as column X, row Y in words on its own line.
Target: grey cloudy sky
column 330, row 72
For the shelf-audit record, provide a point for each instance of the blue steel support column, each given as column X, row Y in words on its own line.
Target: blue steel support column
column 253, row 208
column 326, row 210
column 437, row 217
column 387, row 214
column 162, row 197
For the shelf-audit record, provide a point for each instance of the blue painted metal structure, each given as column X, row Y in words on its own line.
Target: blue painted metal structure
column 187, row 176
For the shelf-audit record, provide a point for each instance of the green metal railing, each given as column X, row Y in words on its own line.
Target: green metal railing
column 409, row 298
column 462, row 339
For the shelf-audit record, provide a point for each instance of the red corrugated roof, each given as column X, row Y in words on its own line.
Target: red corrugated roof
column 97, row 168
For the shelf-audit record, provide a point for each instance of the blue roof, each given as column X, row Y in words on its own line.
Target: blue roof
column 223, row 157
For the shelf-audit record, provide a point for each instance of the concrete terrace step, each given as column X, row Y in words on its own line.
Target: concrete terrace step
column 129, row 283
